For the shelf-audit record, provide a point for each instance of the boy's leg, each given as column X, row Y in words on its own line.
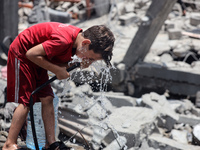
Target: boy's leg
column 18, row 120
column 48, row 118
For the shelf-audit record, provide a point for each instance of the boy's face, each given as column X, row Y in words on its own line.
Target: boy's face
column 87, row 56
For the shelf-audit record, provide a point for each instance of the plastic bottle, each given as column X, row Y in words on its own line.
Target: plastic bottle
column 39, row 125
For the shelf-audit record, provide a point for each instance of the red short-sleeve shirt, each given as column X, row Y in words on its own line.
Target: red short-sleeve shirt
column 23, row 75
column 56, row 38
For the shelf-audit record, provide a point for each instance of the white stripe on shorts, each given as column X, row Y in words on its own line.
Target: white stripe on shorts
column 17, row 65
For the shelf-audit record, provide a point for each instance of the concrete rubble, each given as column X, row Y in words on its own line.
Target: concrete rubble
column 154, row 105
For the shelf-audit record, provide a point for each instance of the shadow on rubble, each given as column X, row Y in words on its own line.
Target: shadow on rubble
column 4, row 47
column 2, row 62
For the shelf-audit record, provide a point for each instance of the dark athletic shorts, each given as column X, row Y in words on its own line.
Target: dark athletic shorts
column 23, row 78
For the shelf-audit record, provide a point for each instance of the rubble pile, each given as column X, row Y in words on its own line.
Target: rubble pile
column 172, row 62
column 152, row 121
column 138, row 112
column 113, row 120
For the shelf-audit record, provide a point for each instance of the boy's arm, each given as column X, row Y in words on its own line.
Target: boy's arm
column 36, row 55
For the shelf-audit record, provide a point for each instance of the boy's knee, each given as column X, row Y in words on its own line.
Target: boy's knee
column 46, row 100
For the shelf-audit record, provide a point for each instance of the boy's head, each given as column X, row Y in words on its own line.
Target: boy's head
column 101, row 41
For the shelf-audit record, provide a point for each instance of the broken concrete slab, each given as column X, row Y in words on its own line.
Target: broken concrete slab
column 129, row 7
column 183, row 106
column 174, row 34
column 161, row 142
column 166, row 58
column 128, row 18
column 168, row 25
column 130, row 122
column 100, row 108
column 117, row 145
column 179, row 136
column 195, row 19
column 196, row 134
column 196, row 111
column 160, row 104
column 174, row 74
column 183, row 80
column 118, row 100
column 188, row 119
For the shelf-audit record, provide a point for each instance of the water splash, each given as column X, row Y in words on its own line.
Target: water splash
column 99, row 104
column 67, row 85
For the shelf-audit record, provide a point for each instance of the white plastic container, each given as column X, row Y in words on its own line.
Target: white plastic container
column 39, row 125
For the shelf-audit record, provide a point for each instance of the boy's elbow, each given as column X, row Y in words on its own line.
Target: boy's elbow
column 28, row 55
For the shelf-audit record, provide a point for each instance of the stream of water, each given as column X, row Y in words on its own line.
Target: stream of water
column 97, row 68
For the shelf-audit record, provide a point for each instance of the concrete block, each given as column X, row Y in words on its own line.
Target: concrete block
column 182, row 81
column 166, row 58
column 182, row 106
column 100, row 109
column 129, row 7
column 160, row 104
column 188, row 119
column 118, row 100
column 179, row 136
column 127, row 18
column 161, row 142
column 160, row 84
column 115, row 145
column 131, row 122
column 174, row 34
column 196, row 111
column 168, row 25
column 196, row 134
column 120, row 7
column 195, row 19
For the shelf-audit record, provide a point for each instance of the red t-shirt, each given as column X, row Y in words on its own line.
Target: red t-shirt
column 23, row 75
column 56, row 38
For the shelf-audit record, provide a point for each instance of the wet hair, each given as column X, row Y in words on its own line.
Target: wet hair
column 102, row 41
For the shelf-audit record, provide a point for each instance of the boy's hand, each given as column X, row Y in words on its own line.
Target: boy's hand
column 62, row 73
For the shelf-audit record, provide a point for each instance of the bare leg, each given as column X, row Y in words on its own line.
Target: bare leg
column 48, row 118
column 18, row 120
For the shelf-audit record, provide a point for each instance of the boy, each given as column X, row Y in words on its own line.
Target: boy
column 42, row 47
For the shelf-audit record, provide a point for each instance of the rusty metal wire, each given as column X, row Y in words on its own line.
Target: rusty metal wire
column 86, row 143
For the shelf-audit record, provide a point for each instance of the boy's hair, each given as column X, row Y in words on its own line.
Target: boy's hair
column 102, row 41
